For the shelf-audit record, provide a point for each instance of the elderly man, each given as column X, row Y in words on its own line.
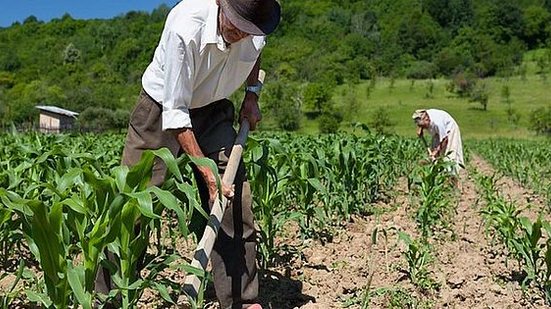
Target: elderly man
column 446, row 138
column 207, row 50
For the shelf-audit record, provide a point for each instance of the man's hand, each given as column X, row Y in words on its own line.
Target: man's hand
column 419, row 131
column 186, row 139
column 432, row 154
column 250, row 110
column 210, row 180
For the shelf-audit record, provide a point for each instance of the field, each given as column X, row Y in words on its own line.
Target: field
column 345, row 221
column 400, row 97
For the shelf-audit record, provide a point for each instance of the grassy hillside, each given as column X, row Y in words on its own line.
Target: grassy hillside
column 400, row 100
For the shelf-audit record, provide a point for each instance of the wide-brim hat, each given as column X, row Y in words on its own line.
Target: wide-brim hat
column 256, row 17
column 418, row 114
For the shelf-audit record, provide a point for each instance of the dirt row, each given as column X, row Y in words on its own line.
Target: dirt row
column 366, row 259
column 470, row 271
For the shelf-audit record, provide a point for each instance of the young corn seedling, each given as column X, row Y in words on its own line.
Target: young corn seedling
column 500, row 215
column 545, row 276
column 418, row 257
column 11, row 235
column 6, row 297
column 528, row 248
column 522, row 237
column 432, row 186
column 305, row 188
column 71, row 218
column 269, row 181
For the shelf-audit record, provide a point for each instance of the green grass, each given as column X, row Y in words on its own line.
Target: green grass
column 526, row 94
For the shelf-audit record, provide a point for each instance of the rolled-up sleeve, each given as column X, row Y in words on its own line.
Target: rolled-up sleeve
column 178, row 83
column 442, row 130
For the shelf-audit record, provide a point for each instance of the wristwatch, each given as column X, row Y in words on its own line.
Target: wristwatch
column 256, row 88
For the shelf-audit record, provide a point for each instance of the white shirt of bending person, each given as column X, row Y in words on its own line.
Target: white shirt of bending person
column 192, row 65
column 442, row 125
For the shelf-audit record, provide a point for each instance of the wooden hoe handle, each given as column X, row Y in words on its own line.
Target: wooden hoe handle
column 205, row 245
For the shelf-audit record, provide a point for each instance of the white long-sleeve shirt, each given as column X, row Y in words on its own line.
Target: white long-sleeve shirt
column 443, row 125
column 192, row 66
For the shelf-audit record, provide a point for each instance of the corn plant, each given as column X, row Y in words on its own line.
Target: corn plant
column 545, row 276
column 269, row 187
column 306, row 189
column 72, row 208
column 418, row 257
column 526, row 161
column 501, row 216
column 11, row 235
column 523, row 238
column 528, row 247
column 8, row 296
column 431, row 184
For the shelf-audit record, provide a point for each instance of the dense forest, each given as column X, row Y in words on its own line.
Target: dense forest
column 94, row 66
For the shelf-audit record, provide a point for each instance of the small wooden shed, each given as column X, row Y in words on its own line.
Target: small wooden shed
column 55, row 119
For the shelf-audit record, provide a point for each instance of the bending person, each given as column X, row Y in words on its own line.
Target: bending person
column 446, row 137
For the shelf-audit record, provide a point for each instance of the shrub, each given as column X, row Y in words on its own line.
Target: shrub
column 329, row 122
column 100, row 119
column 317, row 98
column 381, row 121
column 281, row 105
column 480, row 94
column 462, row 84
column 421, row 70
column 540, row 120
column 288, row 119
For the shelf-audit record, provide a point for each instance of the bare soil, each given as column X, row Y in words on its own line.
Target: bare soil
column 365, row 257
column 468, row 268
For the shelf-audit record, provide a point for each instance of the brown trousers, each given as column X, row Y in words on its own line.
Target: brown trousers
column 233, row 257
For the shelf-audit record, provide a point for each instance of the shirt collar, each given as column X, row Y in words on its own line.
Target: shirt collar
column 210, row 32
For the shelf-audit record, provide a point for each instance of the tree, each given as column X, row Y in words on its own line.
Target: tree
column 101, row 119
column 502, row 19
column 536, row 26
column 421, row 70
column 482, row 55
column 381, row 122
column 480, row 94
column 21, row 101
column 281, row 103
column 9, row 60
column 366, row 24
column 7, row 80
column 462, row 84
column 80, row 98
column 120, row 119
column 31, row 20
column 451, row 60
column 329, row 122
column 124, row 55
column 450, row 14
column 419, row 35
column 159, row 14
column 540, row 120
column 71, row 54
column 317, row 98
column 105, row 35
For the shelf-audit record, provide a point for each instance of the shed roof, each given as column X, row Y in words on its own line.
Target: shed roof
column 57, row 110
